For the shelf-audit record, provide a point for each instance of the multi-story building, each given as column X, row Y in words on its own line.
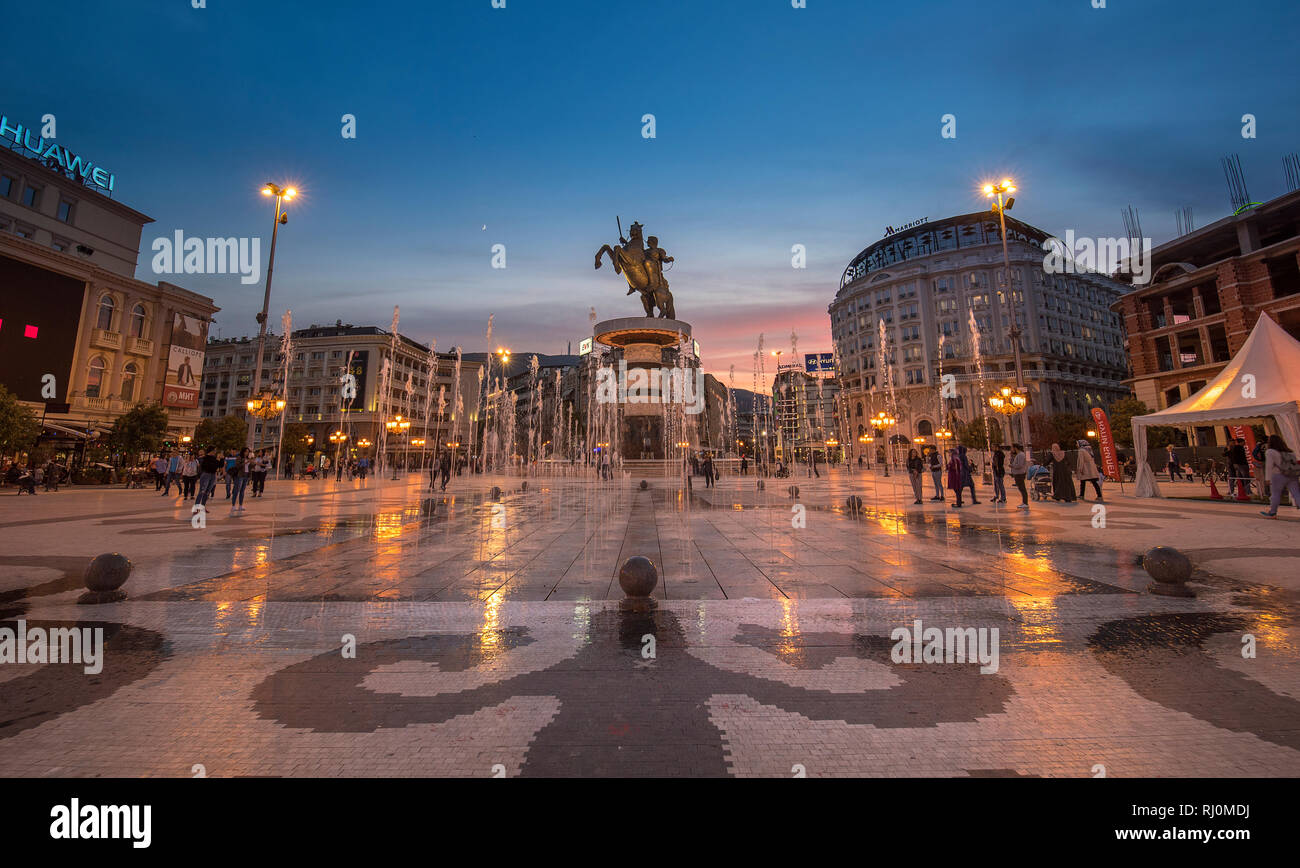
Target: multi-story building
column 807, row 414
column 1207, row 290
column 314, row 391
column 81, row 340
column 929, row 303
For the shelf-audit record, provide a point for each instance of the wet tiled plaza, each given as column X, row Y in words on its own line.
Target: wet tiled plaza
column 335, row 630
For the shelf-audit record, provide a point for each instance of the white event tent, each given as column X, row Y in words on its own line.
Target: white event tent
column 1261, row 385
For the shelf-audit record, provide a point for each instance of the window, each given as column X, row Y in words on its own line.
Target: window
column 104, row 321
column 65, row 211
column 95, row 377
column 31, row 196
column 6, row 186
column 137, row 321
column 128, row 382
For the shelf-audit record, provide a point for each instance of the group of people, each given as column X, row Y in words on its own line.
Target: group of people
column 957, row 474
column 197, row 474
column 47, row 475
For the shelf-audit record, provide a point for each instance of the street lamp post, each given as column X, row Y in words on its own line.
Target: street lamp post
column 1001, row 190
column 338, row 438
column 281, row 217
column 398, row 425
column 884, row 422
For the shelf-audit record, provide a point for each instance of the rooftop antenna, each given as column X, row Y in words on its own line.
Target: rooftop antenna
column 1132, row 225
column 1236, row 179
column 1183, row 217
column 1291, row 168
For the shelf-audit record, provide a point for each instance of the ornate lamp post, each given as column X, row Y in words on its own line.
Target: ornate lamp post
column 398, row 425
column 1011, row 402
column 884, row 422
column 338, row 438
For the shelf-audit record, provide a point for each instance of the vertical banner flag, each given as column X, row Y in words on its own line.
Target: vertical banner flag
column 1109, row 458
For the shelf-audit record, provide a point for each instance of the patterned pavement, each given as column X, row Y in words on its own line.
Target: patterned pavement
column 489, row 639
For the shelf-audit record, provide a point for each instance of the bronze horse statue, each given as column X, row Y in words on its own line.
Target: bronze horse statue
column 642, row 268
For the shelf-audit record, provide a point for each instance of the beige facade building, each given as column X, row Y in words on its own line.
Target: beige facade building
column 314, row 390
column 81, row 340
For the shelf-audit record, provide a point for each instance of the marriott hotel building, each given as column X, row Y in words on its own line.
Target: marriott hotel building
column 926, row 284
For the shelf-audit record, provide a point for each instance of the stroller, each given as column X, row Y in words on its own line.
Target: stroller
column 1040, row 483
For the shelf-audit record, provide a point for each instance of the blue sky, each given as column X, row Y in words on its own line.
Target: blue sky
column 775, row 126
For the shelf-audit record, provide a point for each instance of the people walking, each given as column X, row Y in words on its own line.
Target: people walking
column 744, row 465
column 708, row 471
column 189, row 476
column 1018, row 467
column 1239, row 463
column 159, row 472
column 444, row 469
column 956, row 474
column 936, row 473
column 1085, row 465
column 237, row 477
column 1172, row 464
column 1282, row 473
column 915, row 472
column 209, row 467
column 173, row 474
column 999, row 475
column 1062, row 482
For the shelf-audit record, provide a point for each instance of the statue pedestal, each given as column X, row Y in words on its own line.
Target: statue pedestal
column 643, row 342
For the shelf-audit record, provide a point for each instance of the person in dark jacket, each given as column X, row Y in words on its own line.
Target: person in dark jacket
column 1062, row 481
column 999, row 476
column 936, row 473
column 915, row 472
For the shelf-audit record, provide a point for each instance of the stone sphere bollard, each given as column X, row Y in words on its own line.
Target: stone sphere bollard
column 644, row 485
column 761, row 485
column 794, row 490
column 428, row 507
column 104, row 579
column 496, row 492
column 854, row 504
column 1170, row 569
column 524, row 485
column 638, row 577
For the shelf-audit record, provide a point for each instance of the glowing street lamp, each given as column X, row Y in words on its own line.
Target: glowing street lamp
column 281, row 217
column 1000, row 190
column 267, row 405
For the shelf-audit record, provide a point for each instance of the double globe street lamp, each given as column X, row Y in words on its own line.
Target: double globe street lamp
column 281, row 217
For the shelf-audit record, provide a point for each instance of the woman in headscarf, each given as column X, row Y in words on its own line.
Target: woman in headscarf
column 1062, row 483
column 1086, row 466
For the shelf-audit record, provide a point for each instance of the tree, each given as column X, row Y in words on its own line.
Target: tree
column 975, row 435
column 140, row 429
column 19, row 427
column 295, row 438
column 1121, row 415
column 226, row 433
column 1070, row 428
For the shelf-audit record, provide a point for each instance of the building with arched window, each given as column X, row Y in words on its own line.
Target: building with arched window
column 921, row 319
column 81, row 340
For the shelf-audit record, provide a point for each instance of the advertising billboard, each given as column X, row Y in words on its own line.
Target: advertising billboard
column 353, row 391
column 184, row 362
column 40, row 311
column 817, row 362
column 584, row 348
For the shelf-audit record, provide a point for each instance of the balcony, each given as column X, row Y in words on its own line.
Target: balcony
column 99, row 404
column 106, row 339
column 139, row 346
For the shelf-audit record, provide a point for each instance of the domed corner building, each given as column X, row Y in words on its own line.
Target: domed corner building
column 926, row 284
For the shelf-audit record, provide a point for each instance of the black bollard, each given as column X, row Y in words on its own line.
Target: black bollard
column 104, row 579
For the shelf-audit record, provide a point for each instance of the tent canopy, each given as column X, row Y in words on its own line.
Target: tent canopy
column 1260, row 384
